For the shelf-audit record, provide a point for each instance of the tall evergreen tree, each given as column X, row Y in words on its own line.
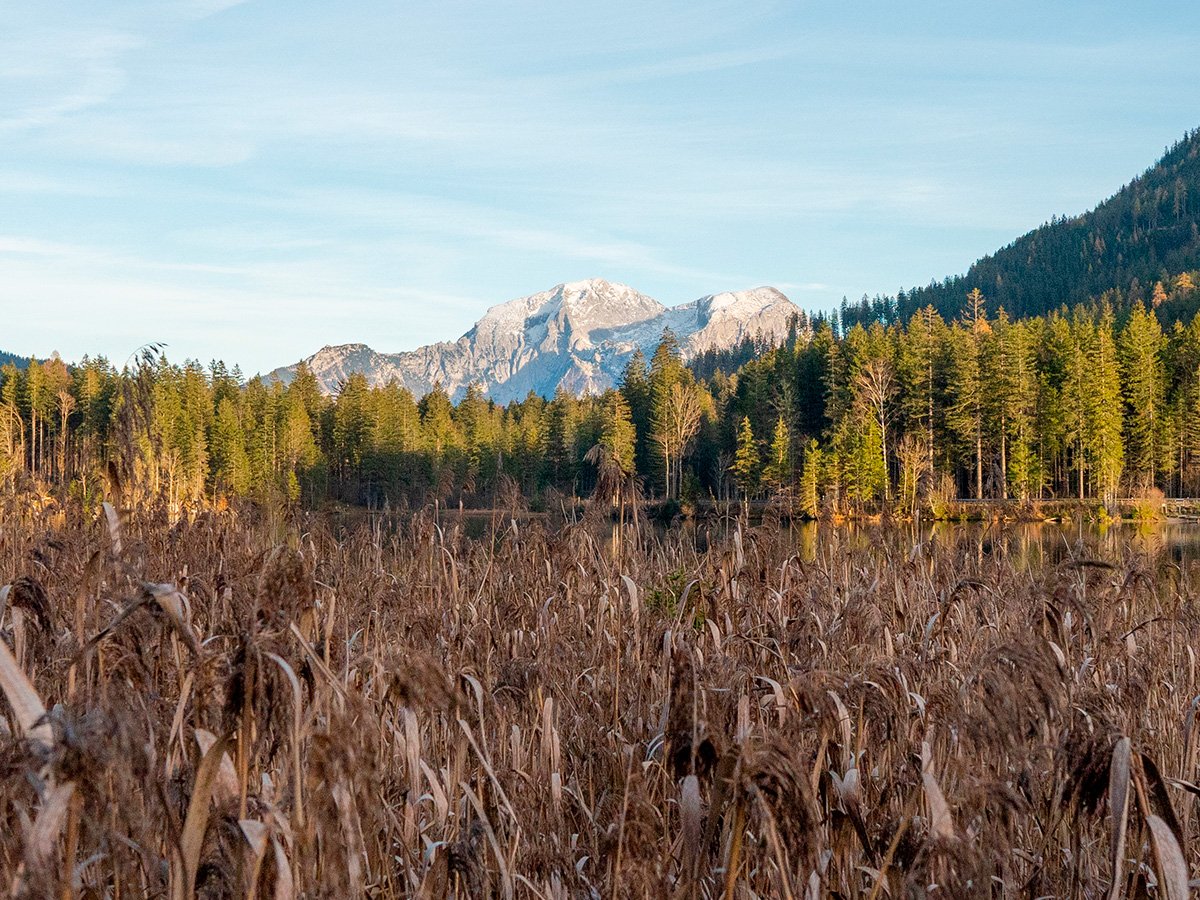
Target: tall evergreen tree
column 965, row 413
column 231, row 466
column 618, row 435
column 746, row 459
column 1144, row 379
column 1106, row 451
column 917, row 365
column 810, row 480
column 778, row 471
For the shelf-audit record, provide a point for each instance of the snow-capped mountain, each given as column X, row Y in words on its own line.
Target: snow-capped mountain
column 578, row 336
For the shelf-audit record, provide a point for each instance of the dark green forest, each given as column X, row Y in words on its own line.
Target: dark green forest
column 1093, row 402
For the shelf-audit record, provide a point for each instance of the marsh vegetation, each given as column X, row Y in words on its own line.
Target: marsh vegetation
column 246, row 705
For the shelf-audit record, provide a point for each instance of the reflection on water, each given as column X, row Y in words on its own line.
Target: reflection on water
column 1026, row 545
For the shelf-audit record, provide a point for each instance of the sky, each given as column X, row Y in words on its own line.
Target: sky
column 250, row 181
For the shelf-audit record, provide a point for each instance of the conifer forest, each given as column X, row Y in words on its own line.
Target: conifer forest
column 1091, row 402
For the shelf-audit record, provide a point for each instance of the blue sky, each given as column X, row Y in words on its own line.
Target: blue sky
column 252, row 180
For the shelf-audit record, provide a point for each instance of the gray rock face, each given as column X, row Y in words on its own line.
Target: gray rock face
column 577, row 336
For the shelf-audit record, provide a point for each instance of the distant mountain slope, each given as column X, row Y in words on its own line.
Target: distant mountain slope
column 1149, row 230
column 577, row 336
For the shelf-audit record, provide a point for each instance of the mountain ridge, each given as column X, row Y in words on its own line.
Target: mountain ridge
column 577, row 336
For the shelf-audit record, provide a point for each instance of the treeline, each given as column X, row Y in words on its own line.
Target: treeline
column 1088, row 402
column 1084, row 403
column 190, row 434
column 12, row 359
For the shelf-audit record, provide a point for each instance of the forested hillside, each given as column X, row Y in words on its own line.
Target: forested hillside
column 1124, row 248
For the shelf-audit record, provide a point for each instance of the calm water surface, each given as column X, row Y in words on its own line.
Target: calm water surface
column 1026, row 545
column 1168, row 543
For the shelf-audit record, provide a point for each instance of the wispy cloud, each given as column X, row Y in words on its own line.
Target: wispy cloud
column 402, row 213
column 47, row 78
column 205, row 8
column 36, row 183
column 672, row 66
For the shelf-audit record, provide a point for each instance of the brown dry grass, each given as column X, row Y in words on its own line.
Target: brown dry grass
column 244, row 708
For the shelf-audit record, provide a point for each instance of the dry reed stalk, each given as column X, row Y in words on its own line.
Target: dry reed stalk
column 191, row 839
column 27, row 707
column 498, row 700
column 1118, row 804
column 1172, row 869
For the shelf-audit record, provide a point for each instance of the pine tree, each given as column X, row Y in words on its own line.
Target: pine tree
column 746, row 461
column 231, row 466
column 874, row 388
column 858, row 450
column 12, row 424
column 1106, row 451
column 917, row 363
column 527, row 442
column 964, row 415
column 297, row 447
column 438, row 425
column 778, row 471
column 811, row 379
column 352, row 424
column 162, row 451
column 1074, row 396
column 810, row 480
column 618, row 435
column 304, row 384
column 1185, row 364
column 1144, row 378
column 561, row 451
column 635, row 388
column 192, row 435
column 261, row 438
column 1011, row 402
column 1051, row 353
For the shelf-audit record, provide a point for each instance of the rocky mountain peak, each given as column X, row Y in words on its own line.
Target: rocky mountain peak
column 577, row 335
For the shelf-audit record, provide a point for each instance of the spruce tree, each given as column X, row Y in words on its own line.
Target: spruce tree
column 810, row 480
column 778, row 471
column 746, row 461
column 964, row 415
column 917, row 365
column 1106, row 451
column 618, row 435
column 231, row 466
column 1144, row 384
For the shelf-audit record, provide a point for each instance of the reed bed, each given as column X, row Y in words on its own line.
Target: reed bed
column 246, row 707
